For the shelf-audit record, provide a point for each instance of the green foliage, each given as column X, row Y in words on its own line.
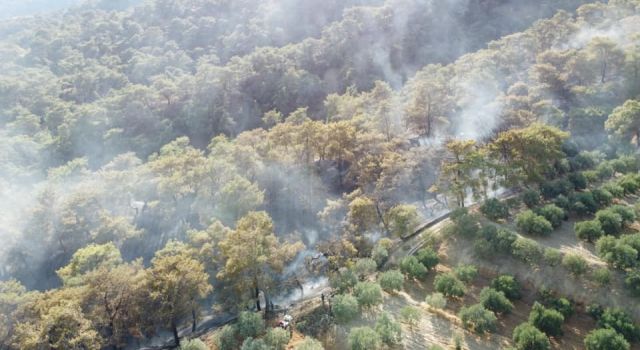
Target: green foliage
column 365, row 267
column 254, row 344
column 552, row 256
column 547, row 320
column 588, row 230
column 343, row 280
column 226, row 338
column 614, row 188
column 391, row 280
column 575, row 263
column 493, row 240
column 602, row 276
column 527, row 250
column 508, row 285
column 478, row 319
column 530, row 223
column 369, row 294
column 345, row 308
column 428, row 257
column 464, row 224
column 528, row 337
column 578, row 180
column 555, row 188
column 380, row 254
column 602, row 197
column 494, row 209
column 277, row 338
column 309, row 344
column 436, row 300
column 621, row 322
column 402, row 219
column 410, row 266
column 616, row 252
column 632, row 282
column 495, row 301
column 193, row 344
column 389, row 330
column 250, row 325
column 610, row 221
column 583, row 203
column 410, row 315
column 553, row 214
column 605, row 339
column 531, row 198
column 449, row 285
column 88, row 259
column 466, row 273
column 364, row 338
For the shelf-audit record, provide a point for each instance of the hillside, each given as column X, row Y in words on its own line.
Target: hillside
column 402, row 174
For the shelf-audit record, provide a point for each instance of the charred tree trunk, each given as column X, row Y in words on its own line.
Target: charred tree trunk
column 257, row 295
column 176, row 336
column 194, row 320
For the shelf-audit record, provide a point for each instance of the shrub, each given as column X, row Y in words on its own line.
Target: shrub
column 562, row 202
column 495, row 301
column 343, row 280
column 277, row 338
column 464, row 224
column 345, row 308
column 402, row 219
column 562, row 305
column 389, row 330
column 449, row 285
column 380, row 254
column 604, row 170
column 584, row 203
column 575, row 263
column 605, row 339
column 436, row 300
column 391, row 280
column 466, row 273
column 552, row 256
column 254, row 344
column 410, row 266
column 632, row 240
column 632, row 282
column 610, row 221
column 616, row 253
column 494, row 209
column 528, row 337
column 193, row 344
column 530, row 223
column 626, row 213
column 309, row 344
column 551, row 189
column 365, row 267
column 553, row 214
column 250, row 324
column 588, row 230
column 531, row 198
column 547, row 320
column 368, row 294
column 226, row 338
column 478, row 319
column 619, row 321
column 496, row 240
column 602, row 276
column 364, row 338
column 508, row 285
column 578, row 180
column 628, row 184
column 613, row 188
column 602, row 197
column 428, row 257
column 527, row 250
column 410, row 315
column 595, row 311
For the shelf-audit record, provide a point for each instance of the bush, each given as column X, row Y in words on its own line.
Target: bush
column 508, row 285
column 428, row 257
column 531, row 198
column 632, row 240
column 478, row 319
column 343, row 280
column 629, row 184
column 528, row 337
column 364, row 338
column 410, row 266
column 466, row 273
column 391, row 280
column 368, row 294
column 494, row 209
column 605, row 339
column 410, row 315
column 602, row 197
column 527, row 250
column 193, row 344
column 588, row 230
column 578, row 180
column 626, row 213
column 530, row 223
column 632, row 282
column 277, row 338
column 613, row 188
column 309, row 344
column 250, row 324
column 254, row 344
column 575, row 263
column 602, row 276
column 436, row 300
column 562, row 202
column 449, row 285
column 553, row 214
column 584, row 203
column 345, row 308
column 552, row 256
column 402, row 219
column 616, row 253
column 562, row 305
column 547, row 320
column 620, row 322
column 560, row 187
column 494, row 240
column 365, row 267
column 464, row 224
column 495, row 301
column 610, row 221
column 226, row 338
column 380, row 254
column 389, row 330
column 604, row 170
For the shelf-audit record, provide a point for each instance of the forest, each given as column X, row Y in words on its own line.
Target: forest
column 389, row 174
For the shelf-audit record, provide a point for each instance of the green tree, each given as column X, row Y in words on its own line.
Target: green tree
column 402, row 219
column 528, row 337
column 226, row 338
column 369, row 294
column 588, row 230
column 624, row 123
column 364, row 338
column 530, row 223
column 410, row 315
column 309, row 344
column 478, row 319
column 410, row 266
column 621, row 322
column 547, row 320
column 575, row 263
column 391, row 280
column 605, row 339
column 88, row 259
column 449, row 285
column 495, row 301
column 389, row 330
column 250, row 325
column 277, row 338
column 428, row 257
column 344, row 307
